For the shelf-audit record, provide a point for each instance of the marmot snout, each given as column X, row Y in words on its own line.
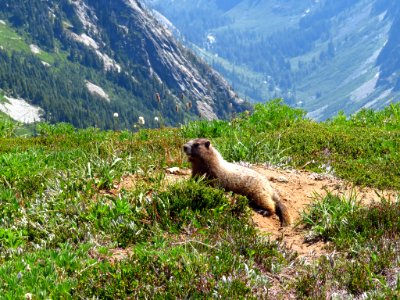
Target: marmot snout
column 206, row 160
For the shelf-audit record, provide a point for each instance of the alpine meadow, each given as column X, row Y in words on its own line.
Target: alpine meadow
column 102, row 106
column 90, row 213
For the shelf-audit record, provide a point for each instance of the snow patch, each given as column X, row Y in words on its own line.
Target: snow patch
column 96, row 90
column 46, row 64
column 35, row 49
column 306, row 12
column 3, row 22
column 365, row 67
column 21, row 111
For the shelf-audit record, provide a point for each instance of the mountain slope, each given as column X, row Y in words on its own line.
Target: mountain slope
column 81, row 61
column 323, row 56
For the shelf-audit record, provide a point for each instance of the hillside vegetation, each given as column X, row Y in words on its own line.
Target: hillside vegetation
column 83, row 61
column 88, row 213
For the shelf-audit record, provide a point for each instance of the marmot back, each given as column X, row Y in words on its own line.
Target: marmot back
column 206, row 160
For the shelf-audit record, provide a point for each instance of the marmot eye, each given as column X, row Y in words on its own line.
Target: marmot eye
column 196, row 145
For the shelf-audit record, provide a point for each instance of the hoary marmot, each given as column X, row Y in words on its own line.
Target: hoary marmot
column 206, row 160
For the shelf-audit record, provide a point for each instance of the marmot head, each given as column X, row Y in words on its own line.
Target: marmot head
column 197, row 149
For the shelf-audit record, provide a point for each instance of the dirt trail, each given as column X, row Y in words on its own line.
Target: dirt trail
column 297, row 189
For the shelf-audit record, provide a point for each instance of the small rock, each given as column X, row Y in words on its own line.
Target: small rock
column 282, row 179
column 177, row 171
column 173, row 170
column 316, row 176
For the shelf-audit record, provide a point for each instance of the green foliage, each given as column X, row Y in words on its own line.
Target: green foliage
column 365, row 156
column 388, row 118
column 362, row 148
column 250, row 149
column 345, row 220
column 54, row 129
column 370, row 234
column 275, row 115
column 208, row 129
column 7, row 127
column 72, row 198
column 216, row 239
column 329, row 216
column 44, row 273
column 59, row 203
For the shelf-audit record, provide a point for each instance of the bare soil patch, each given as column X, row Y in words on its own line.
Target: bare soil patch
column 297, row 190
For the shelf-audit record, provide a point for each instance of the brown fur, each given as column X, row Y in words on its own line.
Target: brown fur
column 206, row 160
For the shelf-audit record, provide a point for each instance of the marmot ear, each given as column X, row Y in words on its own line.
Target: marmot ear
column 207, row 144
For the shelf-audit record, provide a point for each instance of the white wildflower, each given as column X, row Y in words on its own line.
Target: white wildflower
column 28, row 296
column 141, row 121
column 156, row 119
column 115, row 115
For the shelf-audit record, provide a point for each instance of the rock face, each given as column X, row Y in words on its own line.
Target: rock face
column 121, row 48
column 179, row 69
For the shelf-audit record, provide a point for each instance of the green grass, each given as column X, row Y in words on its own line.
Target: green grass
column 362, row 149
column 11, row 40
column 2, row 96
column 367, row 239
column 64, row 211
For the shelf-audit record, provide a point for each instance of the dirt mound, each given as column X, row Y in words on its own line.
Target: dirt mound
column 297, row 190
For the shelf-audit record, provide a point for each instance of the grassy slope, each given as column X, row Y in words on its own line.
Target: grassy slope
column 63, row 213
column 10, row 40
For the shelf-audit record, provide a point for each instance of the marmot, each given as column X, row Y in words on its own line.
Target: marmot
column 206, row 160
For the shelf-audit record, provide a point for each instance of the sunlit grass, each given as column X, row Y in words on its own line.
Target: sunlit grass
column 65, row 211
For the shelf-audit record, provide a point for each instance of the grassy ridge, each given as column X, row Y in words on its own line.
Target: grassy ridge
column 64, row 213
